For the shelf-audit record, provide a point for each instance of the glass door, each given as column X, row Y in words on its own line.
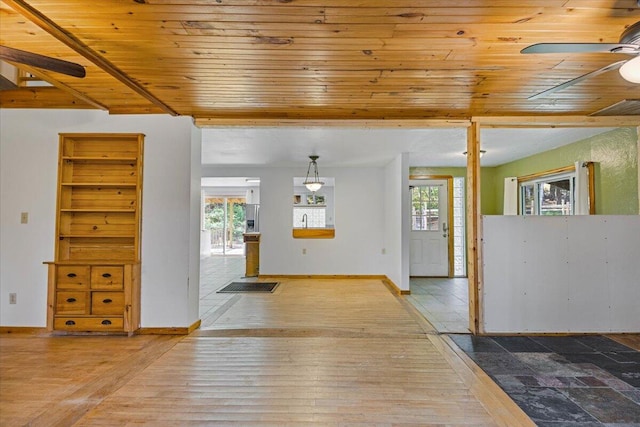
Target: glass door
column 225, row 217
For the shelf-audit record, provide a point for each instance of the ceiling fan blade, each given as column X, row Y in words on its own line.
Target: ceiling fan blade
column 582, row 48
column 565, row 85
column 41, row 61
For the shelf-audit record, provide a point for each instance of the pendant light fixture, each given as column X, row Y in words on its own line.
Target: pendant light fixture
column 313, row 182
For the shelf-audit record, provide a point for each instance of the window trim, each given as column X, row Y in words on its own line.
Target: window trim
column 560, row 171
column 449, row 179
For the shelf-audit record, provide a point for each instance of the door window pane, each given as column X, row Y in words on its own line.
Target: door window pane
column 425, row 208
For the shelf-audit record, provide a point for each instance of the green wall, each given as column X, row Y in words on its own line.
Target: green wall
column 487, row 184
column 615, row 154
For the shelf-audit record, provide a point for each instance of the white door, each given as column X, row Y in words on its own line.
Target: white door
column 429, row 250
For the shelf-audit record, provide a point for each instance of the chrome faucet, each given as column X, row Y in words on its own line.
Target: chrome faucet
column 304, row 220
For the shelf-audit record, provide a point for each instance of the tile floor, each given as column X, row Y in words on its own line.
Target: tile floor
column 215, row 272
column 563, row 381
column 444, row 302
column 581, row 381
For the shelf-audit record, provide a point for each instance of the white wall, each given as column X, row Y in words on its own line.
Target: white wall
column 28, row 152
column 359, row 222
column 396, row 204
column 561, row 274
column 195, row 227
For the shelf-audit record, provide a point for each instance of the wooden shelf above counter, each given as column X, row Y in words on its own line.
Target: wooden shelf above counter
column 314, row 233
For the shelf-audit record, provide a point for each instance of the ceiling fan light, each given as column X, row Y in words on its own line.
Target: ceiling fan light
column 630, row 70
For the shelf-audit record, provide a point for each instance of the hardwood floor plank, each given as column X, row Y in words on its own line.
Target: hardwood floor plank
column 630, row 340
column 55, row 380
column 315, row 352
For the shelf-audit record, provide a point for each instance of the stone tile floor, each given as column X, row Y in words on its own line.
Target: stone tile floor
column 563, row 381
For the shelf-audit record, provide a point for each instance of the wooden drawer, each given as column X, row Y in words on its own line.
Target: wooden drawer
column 71, row 323
column 107, row 303
column 72, row 277
column 71, row 302
column 106, row 277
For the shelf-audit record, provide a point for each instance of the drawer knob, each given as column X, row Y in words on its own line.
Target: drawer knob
column 107, row 301
column 106, row 322
column 71, row 275
column 106, row 275
column 69, row 323
column 71, row 300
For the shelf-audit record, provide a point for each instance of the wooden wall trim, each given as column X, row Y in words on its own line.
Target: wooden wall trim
column 572, row 168
column 592, row 188
column 394, row 288
column 204, row 122
column 25, row 330
column 449, row 179
column 537, row 175
column 555, row 121
column 171, row 330
column 474, row 233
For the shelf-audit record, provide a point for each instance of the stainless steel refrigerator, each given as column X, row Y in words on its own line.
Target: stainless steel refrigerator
column 252, row 218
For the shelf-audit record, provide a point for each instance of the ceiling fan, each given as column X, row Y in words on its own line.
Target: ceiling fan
column 629, row 68
column 40, row 61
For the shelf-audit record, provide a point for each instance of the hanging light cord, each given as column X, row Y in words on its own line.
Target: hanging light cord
column 315, row 171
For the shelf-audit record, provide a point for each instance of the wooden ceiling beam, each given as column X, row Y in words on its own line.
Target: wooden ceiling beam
column 555, row 121
column 41, row 97
column 203, row 122
column 59, row 33
column 46, row 77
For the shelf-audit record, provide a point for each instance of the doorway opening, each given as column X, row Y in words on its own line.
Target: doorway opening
column 431, row 240
column 438, row 283
column 229, row 209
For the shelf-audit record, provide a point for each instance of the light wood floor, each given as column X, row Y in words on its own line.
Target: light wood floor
column 315, row 352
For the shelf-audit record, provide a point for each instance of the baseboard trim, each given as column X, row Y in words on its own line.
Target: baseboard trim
column 24, row 330
column 394, row 288
column 170, row 331
column 322, row 276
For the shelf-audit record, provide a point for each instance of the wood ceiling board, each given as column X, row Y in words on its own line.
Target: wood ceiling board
column 97, row 86
column 362, row 59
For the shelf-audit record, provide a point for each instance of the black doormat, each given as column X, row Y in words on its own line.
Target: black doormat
column 249, row 287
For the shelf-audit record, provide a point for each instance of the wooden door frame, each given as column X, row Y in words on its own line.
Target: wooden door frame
column 449, row 179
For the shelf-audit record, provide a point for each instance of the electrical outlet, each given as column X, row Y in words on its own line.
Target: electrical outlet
column 304, row 251
column 24, row 217
column 13, row 298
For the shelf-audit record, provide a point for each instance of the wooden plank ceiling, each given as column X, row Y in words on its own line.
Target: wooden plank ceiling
column 320, row 59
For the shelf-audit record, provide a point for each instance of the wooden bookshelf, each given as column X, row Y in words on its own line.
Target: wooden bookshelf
column 94, row 281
